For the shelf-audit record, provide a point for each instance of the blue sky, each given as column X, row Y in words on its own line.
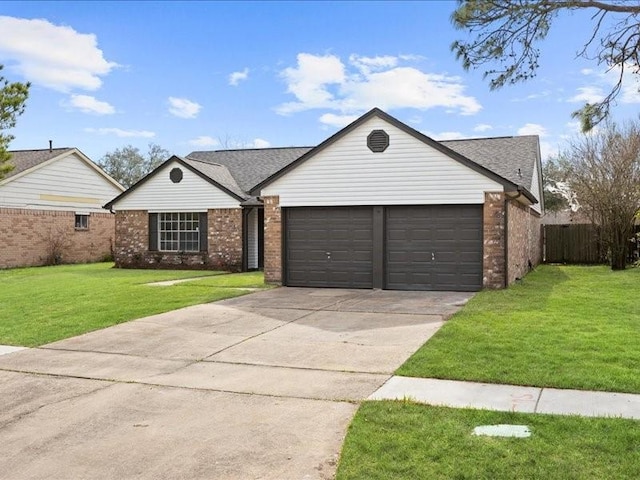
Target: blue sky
column 208, row 75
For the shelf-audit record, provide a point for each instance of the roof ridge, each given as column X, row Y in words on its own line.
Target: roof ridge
column 485, row 138
column 41, row 149
column 247, row 149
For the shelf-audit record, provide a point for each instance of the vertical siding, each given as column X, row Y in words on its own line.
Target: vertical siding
column 252, row 239
column 77, row 186
column 193, row 193
column 407, row 172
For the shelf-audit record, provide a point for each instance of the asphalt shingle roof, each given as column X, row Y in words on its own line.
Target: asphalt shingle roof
column 218, row 173
column 252, row 166
column 512, row 158
column 26, row 159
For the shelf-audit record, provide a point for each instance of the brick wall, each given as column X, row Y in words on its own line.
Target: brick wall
column 272, row 240
column 225, row 238
column 224, row 243
column 494, row 241
column 524, row 243
column 40, row 237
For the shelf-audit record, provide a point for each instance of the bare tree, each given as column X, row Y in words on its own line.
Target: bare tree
column 127, row 165
column 507, row 32
column 604, row 173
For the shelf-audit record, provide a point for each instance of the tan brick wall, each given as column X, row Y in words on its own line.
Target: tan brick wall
column 272, row 240
column 224, row 243
column 35, row 237
column 524, row 247
column 494, row 241
column 225, row 238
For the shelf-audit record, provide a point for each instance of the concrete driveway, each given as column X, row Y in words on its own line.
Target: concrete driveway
column 257, row 387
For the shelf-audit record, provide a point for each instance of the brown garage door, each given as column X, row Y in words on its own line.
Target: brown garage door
column 329, row 247
column 436, row 247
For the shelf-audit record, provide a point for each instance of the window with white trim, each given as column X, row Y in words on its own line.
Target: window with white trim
column 179, row 232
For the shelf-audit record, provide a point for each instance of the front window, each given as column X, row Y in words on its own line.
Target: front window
column 179, row 232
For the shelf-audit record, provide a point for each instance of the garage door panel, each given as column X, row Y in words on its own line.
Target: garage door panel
column 440, row 249
column 345, row 233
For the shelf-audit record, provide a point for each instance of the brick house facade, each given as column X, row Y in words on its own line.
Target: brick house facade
column 51, row 209
column 45, row 237
column 461, row 214
column 224, row 243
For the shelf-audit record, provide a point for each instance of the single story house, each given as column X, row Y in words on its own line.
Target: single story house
column 51, row 209
column 377, row 205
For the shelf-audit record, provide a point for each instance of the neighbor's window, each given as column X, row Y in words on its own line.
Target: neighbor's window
column 82, row 222
column 179, row 232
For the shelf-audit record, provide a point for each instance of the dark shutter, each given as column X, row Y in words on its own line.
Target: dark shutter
column 204, row 232
column 153, row 232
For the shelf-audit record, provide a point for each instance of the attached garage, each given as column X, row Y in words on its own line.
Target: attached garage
column 435, row 247
column 380, row 205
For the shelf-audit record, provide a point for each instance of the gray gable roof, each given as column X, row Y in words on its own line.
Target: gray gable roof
column 25, row 159
column 250, row 167
column 218, row 173
column 510, row 157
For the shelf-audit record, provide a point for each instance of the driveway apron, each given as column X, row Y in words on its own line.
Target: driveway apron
column 261, row 386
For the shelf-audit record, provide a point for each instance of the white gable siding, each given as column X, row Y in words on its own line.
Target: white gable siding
column 160, row 194
column 407, row 172
column 252, row 239
column 67, row 184
column 535, row 189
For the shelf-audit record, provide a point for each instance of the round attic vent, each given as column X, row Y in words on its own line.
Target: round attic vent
column 378, row 141
column 175, row 175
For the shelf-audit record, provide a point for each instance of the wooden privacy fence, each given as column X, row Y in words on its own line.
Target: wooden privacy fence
column 572, row 244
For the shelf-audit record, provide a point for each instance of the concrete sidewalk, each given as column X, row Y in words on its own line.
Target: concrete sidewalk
column 511, row 398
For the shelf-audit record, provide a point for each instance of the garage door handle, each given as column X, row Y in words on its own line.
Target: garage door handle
column 433, row 256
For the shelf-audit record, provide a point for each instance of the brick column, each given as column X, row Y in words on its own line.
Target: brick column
column 132, row 237
column 272, row 240
column 493, row 261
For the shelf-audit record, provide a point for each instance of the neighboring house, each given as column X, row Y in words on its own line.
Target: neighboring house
column 377, row 205
column 51, row 209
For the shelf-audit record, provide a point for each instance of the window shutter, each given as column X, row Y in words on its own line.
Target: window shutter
column 204, row 232
column 153, row 232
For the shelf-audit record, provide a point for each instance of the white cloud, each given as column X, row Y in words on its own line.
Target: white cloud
column 533, row 129
column 183, row 108
column 118, row 132
column 89, row 104
column 586, row 71
column 591, row 94
column 445, row 135
column 204, row 141
column 482, row 127
column 259, row 143
column 236, row 77
column 53, row 56
column 309, row 82
column 325, row 82
column 337, row 120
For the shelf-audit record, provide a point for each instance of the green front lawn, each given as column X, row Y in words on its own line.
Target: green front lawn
column 44, row 304
column 397, row 440
column 563, row 326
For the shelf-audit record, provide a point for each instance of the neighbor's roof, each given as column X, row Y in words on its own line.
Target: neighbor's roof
column 510, row 157
column 252, row 166
column 26, row 159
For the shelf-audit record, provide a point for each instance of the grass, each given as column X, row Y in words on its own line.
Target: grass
column 44, row 304
column 563, row 326
column 401, row 440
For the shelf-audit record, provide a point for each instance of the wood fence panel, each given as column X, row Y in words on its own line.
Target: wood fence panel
column 572, row 244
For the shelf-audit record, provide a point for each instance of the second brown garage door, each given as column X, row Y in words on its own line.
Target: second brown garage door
column 435, row 247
